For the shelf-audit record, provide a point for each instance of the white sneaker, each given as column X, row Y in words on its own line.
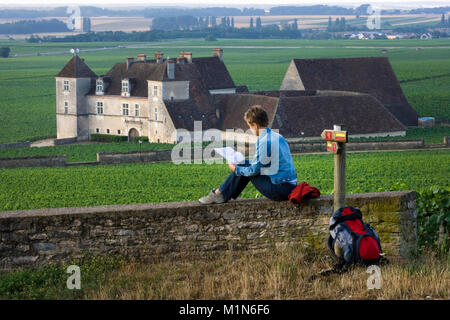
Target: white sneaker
column 212, row 197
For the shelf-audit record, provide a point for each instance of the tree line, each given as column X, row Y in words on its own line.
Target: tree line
column 92, row 11
column 31, row 26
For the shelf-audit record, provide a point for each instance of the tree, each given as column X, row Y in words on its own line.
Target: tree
column 295, row 25
column 342, row 26
column 210, row 37
column 443, row 20
column 213, row 22
column 258, row 23
column 228, row 22
column 251, row 23
column 232, row 22
column 330, row 23
column 4, row 52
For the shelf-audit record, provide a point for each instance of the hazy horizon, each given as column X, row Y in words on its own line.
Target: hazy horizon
column 133, row 4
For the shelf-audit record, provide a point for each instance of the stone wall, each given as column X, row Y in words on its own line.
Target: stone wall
column 358, row 145
column 171, row 230
column 51, row 161
column 15, row 145
column 60, row 142
column 133, row 156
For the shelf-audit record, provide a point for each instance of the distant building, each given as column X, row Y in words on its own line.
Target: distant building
column 371, row 75
column 156, row 97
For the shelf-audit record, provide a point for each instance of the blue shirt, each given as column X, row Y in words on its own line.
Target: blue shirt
column 272, row 158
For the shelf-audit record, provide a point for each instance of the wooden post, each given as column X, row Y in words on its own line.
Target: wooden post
column 339, row 173
column 336, row 140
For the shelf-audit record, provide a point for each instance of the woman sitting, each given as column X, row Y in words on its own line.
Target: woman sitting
column 272, row 170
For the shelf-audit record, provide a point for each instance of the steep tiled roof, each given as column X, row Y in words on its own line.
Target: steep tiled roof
column 213, row 72
column 76, row 68
column 372, row 75
column 362, row 114
column 233, row 106
column 209, row 71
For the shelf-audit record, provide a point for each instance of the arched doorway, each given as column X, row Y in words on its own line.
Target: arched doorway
column 132, row 134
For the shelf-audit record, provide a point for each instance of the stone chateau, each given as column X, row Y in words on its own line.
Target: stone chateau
column 154, row 97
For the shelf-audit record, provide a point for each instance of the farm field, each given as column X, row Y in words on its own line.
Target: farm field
column 33, row 188
column 27, row 83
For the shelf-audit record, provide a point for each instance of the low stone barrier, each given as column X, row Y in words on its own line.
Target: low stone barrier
column 15, row 145
column 60, row 142
column 133, row 156
column 358, row 145
column 52, row 161
column 171, row 230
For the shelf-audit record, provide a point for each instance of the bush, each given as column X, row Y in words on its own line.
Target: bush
column 107, row 138
column 433, row 218
column 4, row 52
column 210, row 37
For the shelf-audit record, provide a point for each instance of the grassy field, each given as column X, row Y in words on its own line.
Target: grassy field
column 33, row 188
column 284, row 273
column 27, row 110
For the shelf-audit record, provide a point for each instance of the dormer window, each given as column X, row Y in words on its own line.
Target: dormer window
column 126, row 88
column 99, row 88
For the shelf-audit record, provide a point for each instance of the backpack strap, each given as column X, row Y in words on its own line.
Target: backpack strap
column 341, row 218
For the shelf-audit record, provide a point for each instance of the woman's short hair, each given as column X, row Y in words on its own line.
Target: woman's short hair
column 257, row 115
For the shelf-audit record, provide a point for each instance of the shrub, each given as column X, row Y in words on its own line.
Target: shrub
column 107, row 138
column 433, row 218
column 4, row 52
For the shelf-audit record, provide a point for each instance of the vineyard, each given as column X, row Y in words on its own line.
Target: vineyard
column 33, row 188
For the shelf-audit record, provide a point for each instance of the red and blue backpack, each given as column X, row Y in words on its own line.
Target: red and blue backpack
column 358, row 241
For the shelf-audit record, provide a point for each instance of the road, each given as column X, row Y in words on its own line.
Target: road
column 152, row 45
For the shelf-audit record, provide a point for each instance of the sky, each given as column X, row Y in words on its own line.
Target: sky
column 228, row 3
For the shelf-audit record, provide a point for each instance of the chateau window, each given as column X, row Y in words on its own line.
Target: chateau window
column 66, row 85
column 136, row 110
column 107, row 130
column 99, row 86
column 125, row 86
column 125, row 109
column 99, row 107
column 118, row 131
column 97, row 130
column 155, row 91
column 156, row 114
column 66, row 107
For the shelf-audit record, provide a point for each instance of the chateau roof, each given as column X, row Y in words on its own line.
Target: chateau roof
column 361, row 114
column 372, row 75
column 209, row 71
column 76, row 68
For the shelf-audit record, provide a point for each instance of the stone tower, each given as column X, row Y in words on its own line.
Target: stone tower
column 73, row 83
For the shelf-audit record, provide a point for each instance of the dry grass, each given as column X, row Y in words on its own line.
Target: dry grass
column 283, row 274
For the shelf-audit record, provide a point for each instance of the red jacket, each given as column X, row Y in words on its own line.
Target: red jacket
column 303, row 192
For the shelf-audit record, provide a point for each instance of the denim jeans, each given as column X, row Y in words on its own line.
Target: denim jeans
column 234, row 185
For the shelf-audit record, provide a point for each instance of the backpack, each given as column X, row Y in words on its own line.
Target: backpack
column 351, row 240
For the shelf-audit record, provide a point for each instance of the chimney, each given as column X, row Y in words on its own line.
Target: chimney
column 142, row 56
column 188, row 56
column 181, row 60
column 171, row 69
column 129, row 61
column 218, row 52
column 159, row 57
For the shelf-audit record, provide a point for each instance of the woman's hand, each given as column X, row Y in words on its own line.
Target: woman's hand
column 232, row 167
